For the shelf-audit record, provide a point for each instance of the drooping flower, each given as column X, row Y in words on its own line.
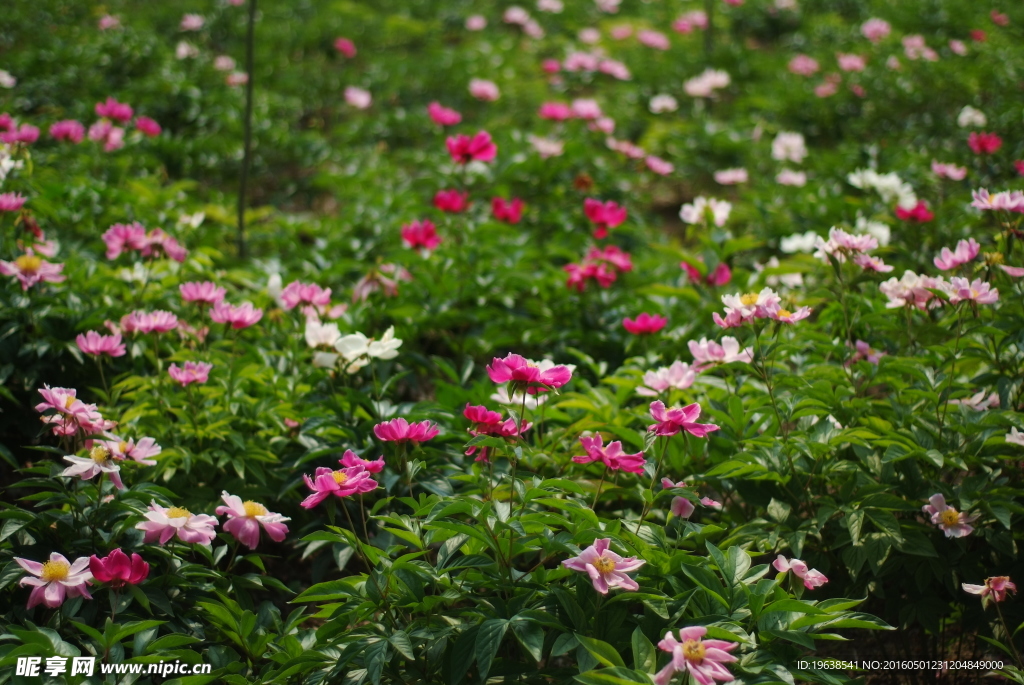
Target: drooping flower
column 129, row 449
column 162, row 524
column 242, row 316
column 443, row 116
column 975, row 291
column 995, row 589
column 509, row 211
column 679, row 375
column 343, row 482
column 55, row 580
column 98, row 462
column 955, row 524
column 605, row 568
column 521, row 372
column 708, row 353
column 703, row 659
column 192, row 372
column 350, row 459
column 612, row 456
column 246, row 518
column 811, row 577
column 117, row 569
column 965, row 251
column 205, row 292
column 671, row 421
column 604, row 215
column 30, row 270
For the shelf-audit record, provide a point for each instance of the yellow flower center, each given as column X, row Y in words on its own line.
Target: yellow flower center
column 28, row 263
column 99, row 454
column 122, row 447
column 55, row 570
column 68, row 401
column 178, row 513
column 950, row 517
column 784, row 313
column 694, row 651
column 993, row 257
column 604, row 564
column 749, row 299
column 254, row 509
column 339, row 477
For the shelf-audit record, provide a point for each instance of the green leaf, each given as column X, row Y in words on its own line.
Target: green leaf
column 602, row 651
column 613, row 676
column 645, row 658
column 488, row 640
column 531, row 636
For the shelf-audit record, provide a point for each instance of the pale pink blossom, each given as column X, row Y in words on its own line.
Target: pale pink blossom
column 158, row 321
column 706, row 83
column 953, row 523
column 205, row 292
column 966, row 250
column 485, row 90
column 777, row 313
column 950, row 171
column 128, row 449
column 653, row 39
column 605, row 568
column 974, row 291
column 95, row 344
column 659, row 165
column 789, row 177
column 958, row 47
column 475, row 22
column 695, row 19
column 586, row 109
column 71, row 414
column 192, row 22
column 162, row 524
column 741, row 309
column 246, row 518
column 703, row 659
column 789, row 146
column 803, row 65
column 123, row 237
column 849, row 62
column 107, row 22
column 812, row 578
column 679, row 376
column 875, row 29
column 359, row 98
column 995, row 589
column 546, row 147
column 242, row 316
column 703, row 208
column 98, row 462
column 731, row 177
column 709, row 353
column 443, row 116
column 55, row 580
column 191, row 372
column 297, row 292
column 224, row 63
column 30, row 270
column 980, row 401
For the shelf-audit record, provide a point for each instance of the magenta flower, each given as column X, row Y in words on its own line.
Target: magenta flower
column 92, row 343
column 965, row 251
column 421, row 234
column 995, row 589
column 400, row 430
column 671, row 421
column 296, row 293
column 69, row 130
column 443, row 116
column 345, row 47
column 129, row 449
column 353, row 480
column 25, row 134
column 509, row 211
column 451, row 201
column 974, row 291
column 98, row 462
column 245, row 519
column 242, row 316
column 163, row 524
column 54, row 580
column 117, row 569
column 147, row 127
column 204, row 293
column 612, row 456
column 604, row 215
column 721, row 275
column 193, row 372
column 158, row 321
column 30, row 270
column 605, row 568
column 520, row 371
column 645, row 324
column 554, row 111
column 122, row 237
column 112, row 109
column 954, row 524
column 811, row 578
column 350, row 459
column 464, row 149
column 11, row 202
column 984, row 143
column 484, row 420
column 704, row 659
column 919, row 213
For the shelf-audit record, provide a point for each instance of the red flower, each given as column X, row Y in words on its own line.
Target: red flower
column 1019, row 164
column 919, row 213
column 720, row 276
column 603, row 215
column 421, row 234
column 509, row 211
column 644, row 324
column 464, row 149
column 118, row 570
column 451, row 201
column 984, row 143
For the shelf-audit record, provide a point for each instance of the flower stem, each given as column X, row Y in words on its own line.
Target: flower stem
column 952, row 370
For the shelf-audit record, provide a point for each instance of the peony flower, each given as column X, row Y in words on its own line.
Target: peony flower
column 476, row 23
column 122, row 237
column 509, row 211
column 192, row 22
column 953, row 523
column 741, row 309
column 864, row 351
column 359, row 98
column 812, row 578
column 662, row 103
column 193, row 372
column 984, row 143
column 163, row 524
column 644, row 324
column 789, row 146
column 995, row 589
column 69, row 130
column 546, row 147
column 224, row 63
column 147, row 127
column 350, row 459
column 128, row 449
column 965, row 251
column 400, row 430
column 912, row 290
column 919, row 213
column 25, row 134
column 242, row 316
column 296, row 293
column 117, row 569
column 92, row 343
column 605, row 568
column 1015, row 437
column 705, row 85
column 975, row 291
column 451, row 201
column 971, row 117
column 345, row 47
column 980, row 401
column 71, row 414
column 679, row 376
column 586, row 109
column 703, row 209
column 484, row 90
column 245, row 519
column 681, row 507
column 206, row 292
column 694, row 19
column 112, row 109
column 464, row 149
column 777, row 313
column 788, row 177
column 704, row 659
column 107, row 22
column 653, row 39
column 659, row 165
column 321, row 334
column 604, row 215
column 612, row 456
column 849, row 62
column 98, row 462
column 731, row 177
column 875, row 29
column 554, row 111
column 343, row 482
column 442, row 116
column 1004, row 201
column 357, row 349
column 671, row 421
column 802, row 65
column 54, row 580
column 522, row 372
column 158, row 321
column 708, row 353
column 950, row 171
column 30, row 270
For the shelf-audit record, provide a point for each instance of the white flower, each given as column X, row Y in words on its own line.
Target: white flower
column 386, row 347
column 6, row 80
column 971, row 117
column 663, row 103
column 880, row 231
column 889, row 186
column 789, row 146
column 318, row 334
column 325, row 360
column 1015, row 437
column 352, row 346
column 357, row 349
column 186, row 50
column 799, row 242
column 696, row 212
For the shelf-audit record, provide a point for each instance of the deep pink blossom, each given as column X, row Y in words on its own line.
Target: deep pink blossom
column 555, row 111
column 421, row 234
column 162, row 524
column 644, row 324
column 612, row 456
column 148, row 127
column 509, row 211
column 191, row 372
column 345, row 47
column 400, row 430
column 69, row 130
column 518, row 370
column 919, row 213
column 11, row 202
column 604, row 215
column 955, row 524
column 451, row 201
column 984, row 143
column 123, row 237
column 246, row 518
column 343, row 482
column 443, row 116
column 55, row 580
column 671, row 421
column 117, row 569
column 605, row 568
column 112, row 109
column 92, row 343
column 464, row 149
column 25, row 134
column 351, row 459
column 296, row 293
column 720, row 275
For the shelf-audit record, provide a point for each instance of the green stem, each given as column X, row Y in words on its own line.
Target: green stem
column 952, row 370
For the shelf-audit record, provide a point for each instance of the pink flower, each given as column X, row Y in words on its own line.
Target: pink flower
column 950, row 171
column 72, row 414
column 966, row 250
column 69, row 130
column 107, row 22
column 605, row 568
column 704, row 659
column 359, row 98
column 958, row 47
column 193, row 372
column 919, row 213
column 205, row 292
column 296, row 293
column 828, row 88
column 30, row 269
column 975, row 291
column 812, row 578
column 984, row 143
column 586, row 109
column 731, row 177
column 1019, row 166
column 385, row 278
column 484, row 90
column 122, row 237
column 105, row 132
column 158, row 321
column 659, row 165
column 476, row 23
column 128, row 449
column 875, row 29
column 94, row 344
column 451, row 201
column 99, row 461
column 671, row 421
column 112, row 109
column 614, row 68
column 709, row 353
column 509, row 211
column 679, row 376
column 1004, row 201
column 995, row 589
column 350, row 459
column 400, row 430
column 484, row 420
column 802, row 65
column 865, row 351
column 147, row 127
column 551, row 66
column 245, row 519
column 555, row 111
column 611, row 456
column 443, row 116
column 721, row 275
column 117, row 569
column 695, row 19
column 352, row 480
column 850, row 62
column 777, row 313
column 999, row 18
column 54, row 580
column 192, row 22
column 464, row 149
column 978, row 36
column 644, row 324
column 953, row 523
column 26, row 134
column 236, row 79
column 421, row 234
column 224, row 63
column 604, row 215
column 345, row 47
column 163, row 524
column 653, row 39
column 681, row 507
column 979, row 401
column 741, row 309
column 520, row 371
column 242, row 316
